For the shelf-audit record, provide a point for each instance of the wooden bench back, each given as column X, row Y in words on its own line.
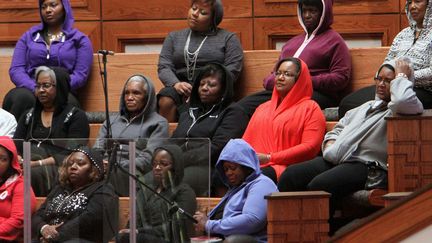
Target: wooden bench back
column 204, row 204
column 257, row 65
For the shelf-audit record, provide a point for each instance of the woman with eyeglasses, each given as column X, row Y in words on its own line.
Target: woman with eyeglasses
column 155, row 221
column 414, row 43
column 49, row 126
column 290, row 127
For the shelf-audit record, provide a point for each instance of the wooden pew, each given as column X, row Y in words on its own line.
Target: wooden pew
column 257, row 65
column 204, row 204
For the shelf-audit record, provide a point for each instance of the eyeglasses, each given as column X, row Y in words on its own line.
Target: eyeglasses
column 285, row 74
column 379, row 79
column 44, row 86
column 161, row 164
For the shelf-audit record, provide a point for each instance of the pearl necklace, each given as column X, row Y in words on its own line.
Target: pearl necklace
column 191, row 57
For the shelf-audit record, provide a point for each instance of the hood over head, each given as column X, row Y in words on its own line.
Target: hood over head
column 326, row 19
column 240, row 152
column 68, row 21
column 7, row 143
column 96, row 158
column 177, row 159
column 302, row 90
column 62, row 86
column 150, row 103
column 427, row 21
column 227, row 84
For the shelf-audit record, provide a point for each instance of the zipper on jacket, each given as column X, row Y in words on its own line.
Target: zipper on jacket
column 194, row 121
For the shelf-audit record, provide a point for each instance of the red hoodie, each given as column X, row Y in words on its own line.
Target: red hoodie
column 12, row 198
column 291, row 132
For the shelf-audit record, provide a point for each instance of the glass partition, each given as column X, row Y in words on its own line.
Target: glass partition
column 64, row 175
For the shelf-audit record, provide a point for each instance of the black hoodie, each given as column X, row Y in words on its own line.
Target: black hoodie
column 220, row 122
column 152, row 211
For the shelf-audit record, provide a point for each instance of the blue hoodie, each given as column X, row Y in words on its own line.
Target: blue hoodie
column 73, row 52
column 245, row 210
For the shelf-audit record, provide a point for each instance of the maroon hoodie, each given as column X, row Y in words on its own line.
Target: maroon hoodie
column 325, row 53
column 12, row 198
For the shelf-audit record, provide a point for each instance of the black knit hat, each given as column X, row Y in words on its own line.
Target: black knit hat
column 95, row 156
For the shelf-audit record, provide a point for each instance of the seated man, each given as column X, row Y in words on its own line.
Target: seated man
column 243, row 209
column 358, row 143
column 322, row 49
column 137, row 119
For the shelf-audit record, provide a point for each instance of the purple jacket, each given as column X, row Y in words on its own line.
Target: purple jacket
column 245, row 210
column 73, row 52
column 325, row 53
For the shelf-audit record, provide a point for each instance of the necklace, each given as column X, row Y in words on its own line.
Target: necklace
column 191, row 57
column 40, row 141
column 54, row 37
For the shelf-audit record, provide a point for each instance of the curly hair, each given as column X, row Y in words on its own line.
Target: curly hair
column 64, row 175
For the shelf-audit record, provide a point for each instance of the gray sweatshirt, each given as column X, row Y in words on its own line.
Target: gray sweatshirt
column 361, row 135
column 149, row 129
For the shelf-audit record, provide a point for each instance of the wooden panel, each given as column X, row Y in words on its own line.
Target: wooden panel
column 118, row 33
column 305, row 221
column 409, row 152
column 150, row 9
column 256, row 66
column 289, row 7
column 269, row 30
column 28, row 10
column 13, row 31
column 365, row 63
column 119, row 68
column 392, row 224
column 6, row 84
column 404, row 21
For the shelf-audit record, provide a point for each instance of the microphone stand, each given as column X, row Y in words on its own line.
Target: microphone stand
column 110, row 148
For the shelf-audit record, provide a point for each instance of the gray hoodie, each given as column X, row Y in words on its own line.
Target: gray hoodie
column 148, row 127
column 361, row 135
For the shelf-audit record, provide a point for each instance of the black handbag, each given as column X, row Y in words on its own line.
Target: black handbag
column 377, row 176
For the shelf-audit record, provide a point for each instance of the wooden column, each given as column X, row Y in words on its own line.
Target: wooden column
column 409, row 151
column 298, row 216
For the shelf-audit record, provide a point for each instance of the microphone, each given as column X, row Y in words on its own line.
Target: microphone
column 106, row 52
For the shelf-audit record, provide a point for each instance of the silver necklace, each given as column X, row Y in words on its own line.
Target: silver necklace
column 191, row 57
column 54, row 37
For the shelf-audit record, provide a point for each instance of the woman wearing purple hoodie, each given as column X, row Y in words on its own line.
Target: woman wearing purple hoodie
column 54, row 42
column 242, row 212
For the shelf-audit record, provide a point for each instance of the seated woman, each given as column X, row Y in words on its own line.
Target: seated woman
column 243, row 209
column 49, row 125
column 185, row 51
column 137, row 119
column 413, row 43
column 357, row 145
column 290, row 127
column 54, row 42
column 209, row 114
column 154, row 221
column 11, row 193
column 83, row 208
